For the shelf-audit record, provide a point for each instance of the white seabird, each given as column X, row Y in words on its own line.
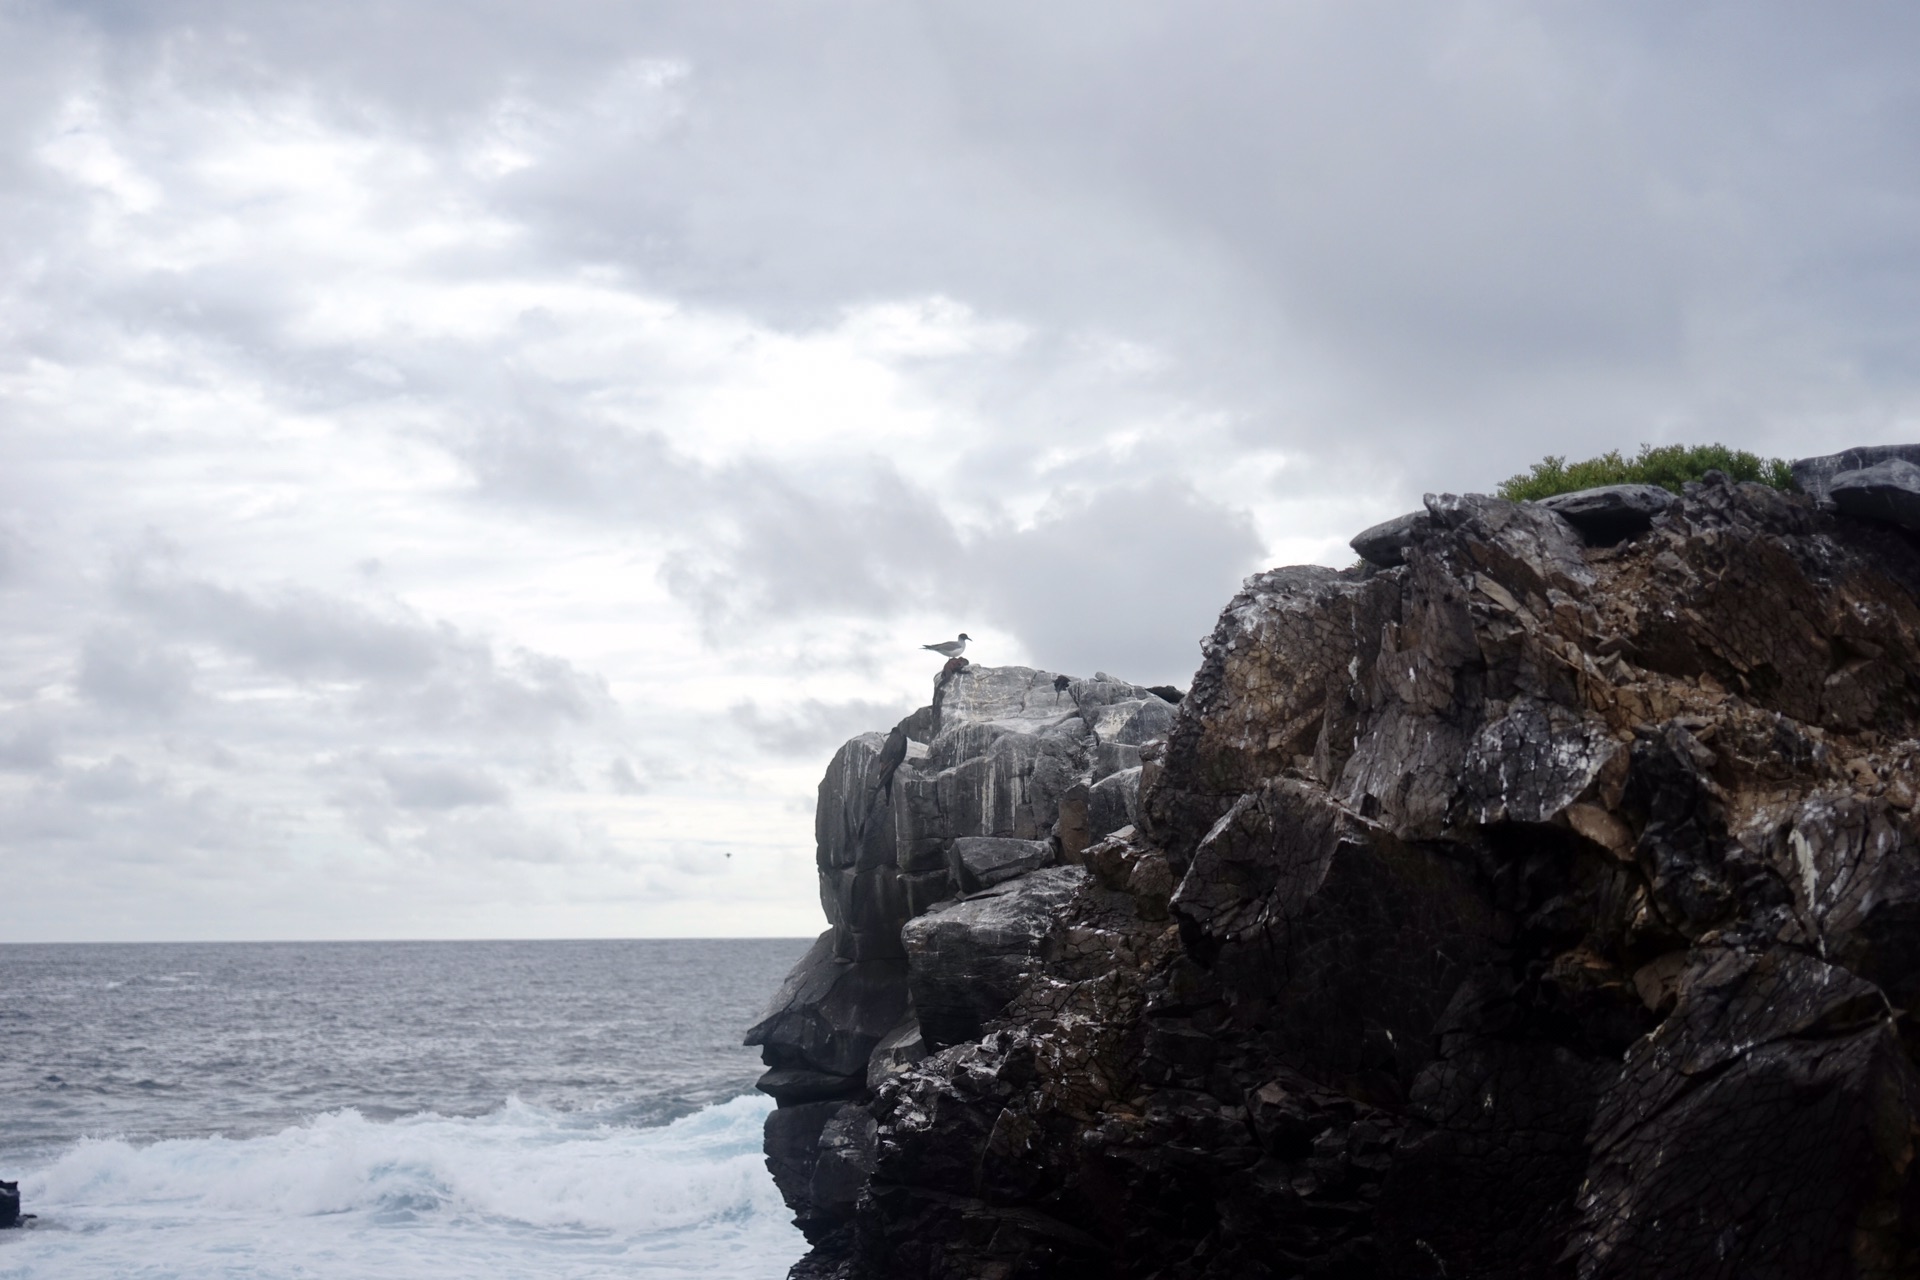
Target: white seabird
column 950, row 648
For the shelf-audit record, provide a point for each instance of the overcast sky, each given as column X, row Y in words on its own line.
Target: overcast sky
column 465, row 466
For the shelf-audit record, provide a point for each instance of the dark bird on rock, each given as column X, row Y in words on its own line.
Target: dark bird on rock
column 891, row 757
column 950, row 648
column 1060, row 684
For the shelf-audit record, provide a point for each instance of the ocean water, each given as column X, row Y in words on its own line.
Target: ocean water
column 419, row 1110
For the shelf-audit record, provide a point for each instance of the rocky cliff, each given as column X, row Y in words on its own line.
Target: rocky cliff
column 946, row 848
column 1540, row 897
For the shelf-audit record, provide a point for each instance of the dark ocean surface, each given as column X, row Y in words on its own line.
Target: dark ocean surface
column 564, row 1109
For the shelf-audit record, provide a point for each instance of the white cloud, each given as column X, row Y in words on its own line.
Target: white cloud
column 470, row 495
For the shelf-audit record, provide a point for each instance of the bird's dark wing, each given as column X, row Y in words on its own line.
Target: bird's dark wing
column 891, row 756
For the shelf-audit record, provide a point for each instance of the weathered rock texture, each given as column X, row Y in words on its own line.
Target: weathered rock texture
column 957, row 821
column 1534, row 908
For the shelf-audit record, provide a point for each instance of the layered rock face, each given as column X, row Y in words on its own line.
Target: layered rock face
column 940, row 849
column 1541, row 899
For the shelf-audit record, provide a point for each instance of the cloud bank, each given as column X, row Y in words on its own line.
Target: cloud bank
column 463, row 468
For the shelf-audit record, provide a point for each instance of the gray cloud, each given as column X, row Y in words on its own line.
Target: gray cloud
column 125, row 672
column 398, row 661
column 437, row 784
column 643, row 348
column 113, row 781
column 297, row 634
column 779, row 551
column 121, row 812
column 1130, row 581
column 587, row 468
column 812, row 728
column 625, row 779
column 1126, row 571
column 28, row 745
column 1128, row 577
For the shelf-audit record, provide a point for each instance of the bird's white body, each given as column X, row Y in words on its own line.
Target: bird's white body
column 950, row 648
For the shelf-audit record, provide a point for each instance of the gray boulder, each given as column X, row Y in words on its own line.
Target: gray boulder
column 793, row 1151
column 980, row 862
column 1112, row 757
column 1104, row 691
column 924, row 889
column 1018, row 699
column 1385, row 544
column 789, row 1086
column 966, row 959
column 830, row 1012
column 1131, row 722
column 1814, row 476
column 853, row 822
column 846, row 1151
column 1012, row 788
column 1611, row 513
column 1888, row 491
column 866, row 909
column 1113, row 803
column 899, row 1049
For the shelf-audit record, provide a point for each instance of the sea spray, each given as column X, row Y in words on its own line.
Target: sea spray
column 523, row 1189
column 406, row 1110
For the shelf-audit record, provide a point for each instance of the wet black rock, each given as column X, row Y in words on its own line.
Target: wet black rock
column 830, row 1013
column 1543, row 906
column 1888, row 491
column 1611, row 513
column 1385, row 544
column 977, row 794
column 969, row 957
column 1814, row 476
column 898, row 1050
column 980, row 862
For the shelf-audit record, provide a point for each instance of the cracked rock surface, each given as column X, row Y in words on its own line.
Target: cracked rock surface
column 1546, row 905
column 939, row 847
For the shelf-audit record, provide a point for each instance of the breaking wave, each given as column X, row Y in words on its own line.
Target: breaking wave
column 522, row 1190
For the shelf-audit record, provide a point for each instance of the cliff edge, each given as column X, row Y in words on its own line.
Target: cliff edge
column 1539, row 898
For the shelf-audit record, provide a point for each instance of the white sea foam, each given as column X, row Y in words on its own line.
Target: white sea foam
column 520, row 1192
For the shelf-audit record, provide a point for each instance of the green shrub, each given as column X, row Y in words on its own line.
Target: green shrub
column 1668, row 466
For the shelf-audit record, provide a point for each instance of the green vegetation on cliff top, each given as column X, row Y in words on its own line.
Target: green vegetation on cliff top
column 1668, row 466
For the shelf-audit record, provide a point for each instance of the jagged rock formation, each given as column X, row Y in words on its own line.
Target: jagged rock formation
column 1611, row 512
column 1546, row 904
column 955, row 821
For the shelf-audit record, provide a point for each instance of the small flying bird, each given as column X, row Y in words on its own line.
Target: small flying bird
column 950, row 648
